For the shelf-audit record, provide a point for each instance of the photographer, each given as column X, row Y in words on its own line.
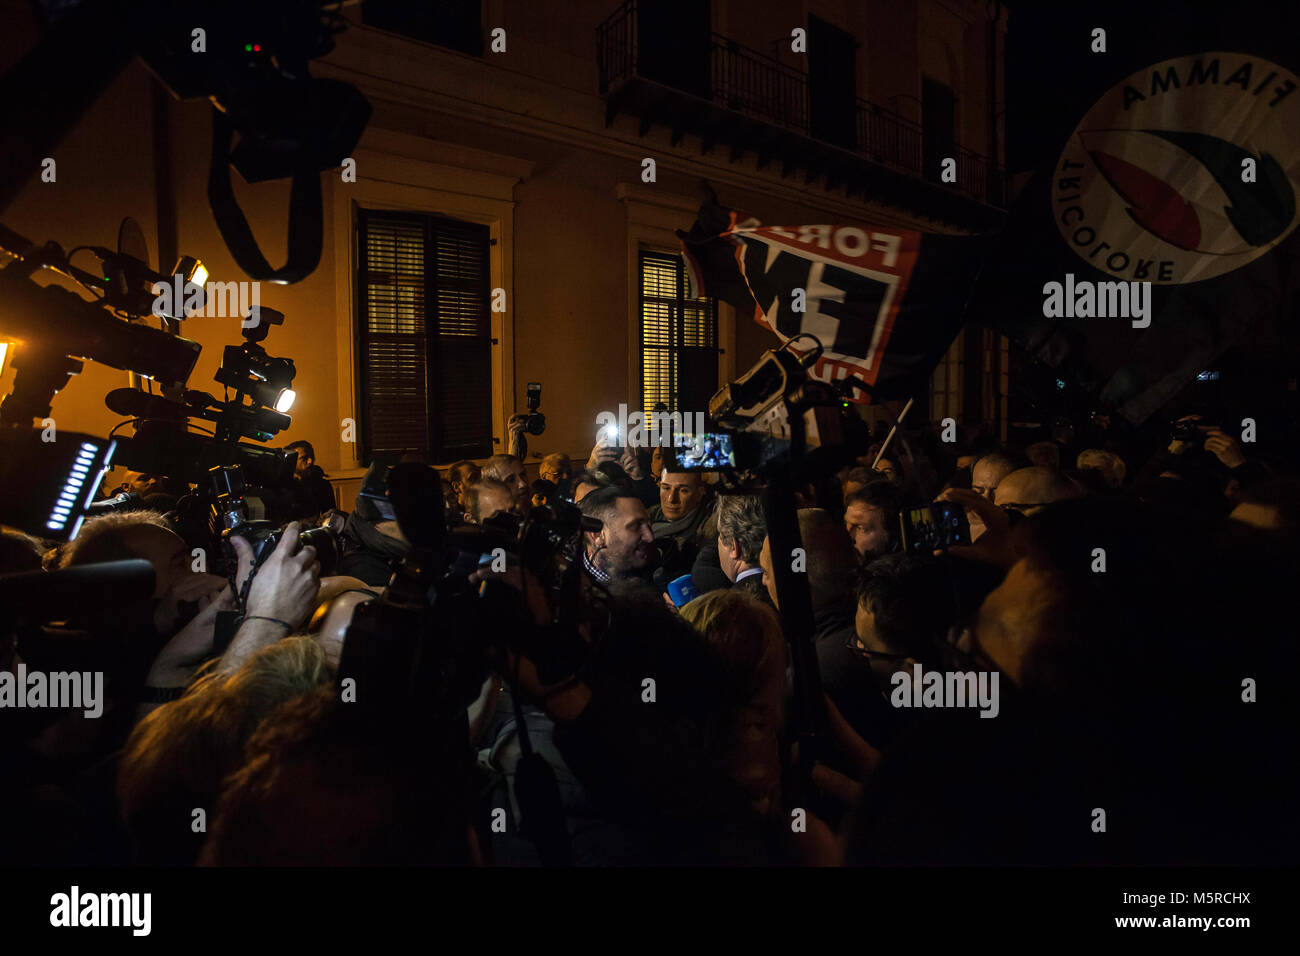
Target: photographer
column 488, row 497
column 558, row 470
column 369, row 543
column 462, row 474
column 313, row 494
column 509, row 469
column 180, row 592
column 280, row 599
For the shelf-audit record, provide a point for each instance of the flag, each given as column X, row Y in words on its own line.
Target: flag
column 884, row 303
column 1171, row 158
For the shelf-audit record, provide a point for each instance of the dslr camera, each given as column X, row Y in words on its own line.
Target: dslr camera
column 231, row 517
column 536, row 423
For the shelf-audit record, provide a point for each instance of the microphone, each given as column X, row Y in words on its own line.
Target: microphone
column 137, row 404
column 126, row 501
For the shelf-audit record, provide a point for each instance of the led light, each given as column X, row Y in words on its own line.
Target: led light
column 285, row 400
column 76, row 527
column 54, row 525
column 4, row 351
column 63, row 513
column 200, row 276
column 87, row 446
column 80, row 470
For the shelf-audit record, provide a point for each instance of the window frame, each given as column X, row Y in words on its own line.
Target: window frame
column 677, row 315
column 435, row 433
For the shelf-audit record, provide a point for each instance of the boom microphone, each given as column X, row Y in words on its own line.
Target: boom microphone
column 134, row 403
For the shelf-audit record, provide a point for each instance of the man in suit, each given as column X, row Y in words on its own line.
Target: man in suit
column 741, row 530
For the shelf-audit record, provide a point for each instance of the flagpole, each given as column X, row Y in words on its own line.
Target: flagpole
column 890, row 437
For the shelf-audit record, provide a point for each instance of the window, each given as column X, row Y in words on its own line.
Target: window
column 455, row 24
column 679, row 338
column 674, row 43
column 425, row 337
column 938, row 125
column 832, row 84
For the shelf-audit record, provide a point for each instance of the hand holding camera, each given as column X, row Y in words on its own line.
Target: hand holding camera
column 284, row 587
column 1224, row 447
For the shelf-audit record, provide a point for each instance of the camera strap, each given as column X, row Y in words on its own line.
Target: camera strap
column 229, row 622
column 306, row 225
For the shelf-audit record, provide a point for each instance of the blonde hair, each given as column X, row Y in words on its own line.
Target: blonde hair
column 104, row 538
column 176, row 757
column 744, row 630
column 747, row 635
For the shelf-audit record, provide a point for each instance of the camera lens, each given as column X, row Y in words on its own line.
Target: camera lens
column 322, row 539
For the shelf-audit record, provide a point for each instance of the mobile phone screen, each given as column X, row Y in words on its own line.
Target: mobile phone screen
column 710, row 451
column 934, row 527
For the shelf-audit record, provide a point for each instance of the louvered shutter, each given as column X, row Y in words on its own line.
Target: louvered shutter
column 679, row 338
column 424, row 337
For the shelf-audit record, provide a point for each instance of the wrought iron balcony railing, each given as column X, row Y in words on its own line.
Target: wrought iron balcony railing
column 757, row 86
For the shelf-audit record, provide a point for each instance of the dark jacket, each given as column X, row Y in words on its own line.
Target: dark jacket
column 367, row 553
column 690, row 534
column 847, row 677
column 754, row 586
column 707, row 572
column 312, row 493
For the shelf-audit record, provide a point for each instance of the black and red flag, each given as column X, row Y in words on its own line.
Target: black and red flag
column 1166, row 152
column 885, row 303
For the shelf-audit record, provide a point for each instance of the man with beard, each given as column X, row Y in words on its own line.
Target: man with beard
column 624, row 546
column 871, row 519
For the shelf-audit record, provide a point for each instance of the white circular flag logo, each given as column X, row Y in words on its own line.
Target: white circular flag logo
column 1185, row 171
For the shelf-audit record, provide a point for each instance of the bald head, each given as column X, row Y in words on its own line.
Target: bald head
column 1031, row 488
column 1109, row 464
column 988, row 474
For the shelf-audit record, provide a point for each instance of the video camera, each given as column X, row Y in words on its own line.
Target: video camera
column 249, row 58
column 431, row 639
column 230, row 513
column 772, row 417
column 58, row 474
column 46, row 486
column 1192, row 433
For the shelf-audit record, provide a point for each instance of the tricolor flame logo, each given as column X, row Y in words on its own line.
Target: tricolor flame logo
column 1187, row 189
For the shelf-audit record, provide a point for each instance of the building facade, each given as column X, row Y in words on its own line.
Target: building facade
column 502, row 228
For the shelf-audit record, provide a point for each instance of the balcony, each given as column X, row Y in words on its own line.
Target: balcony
column 729, row 95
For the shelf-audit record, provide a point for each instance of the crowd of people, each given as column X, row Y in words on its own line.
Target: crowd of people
column 1123, row 618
